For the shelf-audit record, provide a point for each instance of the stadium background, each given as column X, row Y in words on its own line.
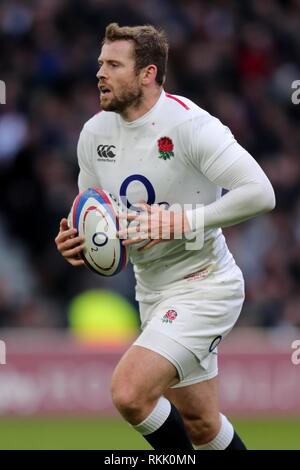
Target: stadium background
column 237, row 59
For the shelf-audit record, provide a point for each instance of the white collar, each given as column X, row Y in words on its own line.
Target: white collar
column 145, row 117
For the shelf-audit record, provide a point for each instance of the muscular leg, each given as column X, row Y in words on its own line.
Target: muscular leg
column 139, row 379
column 199, row 407
column 138, row 383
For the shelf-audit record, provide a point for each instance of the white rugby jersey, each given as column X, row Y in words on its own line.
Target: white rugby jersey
column 175, row 153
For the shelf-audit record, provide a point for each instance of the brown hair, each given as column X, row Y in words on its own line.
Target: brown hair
column 150, row 46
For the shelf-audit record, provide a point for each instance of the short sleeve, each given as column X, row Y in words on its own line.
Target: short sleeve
column 213, row 148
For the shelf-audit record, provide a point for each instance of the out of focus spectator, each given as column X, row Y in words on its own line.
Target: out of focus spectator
column 236, row 59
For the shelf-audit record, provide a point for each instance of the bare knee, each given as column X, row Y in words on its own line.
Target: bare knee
column 138, row 381
column 202, row 429
column 127, row 402
column 130, row 401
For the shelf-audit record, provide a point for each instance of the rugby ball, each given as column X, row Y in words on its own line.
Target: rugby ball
column 95, row 215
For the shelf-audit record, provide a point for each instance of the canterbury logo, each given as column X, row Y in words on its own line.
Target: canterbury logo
column 106, row 151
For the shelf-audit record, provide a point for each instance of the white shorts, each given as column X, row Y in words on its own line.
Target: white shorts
column 186, row 326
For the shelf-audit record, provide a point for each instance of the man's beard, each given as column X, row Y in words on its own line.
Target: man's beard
column 131, row 98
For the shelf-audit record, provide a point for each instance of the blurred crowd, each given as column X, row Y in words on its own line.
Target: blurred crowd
column 237, row 59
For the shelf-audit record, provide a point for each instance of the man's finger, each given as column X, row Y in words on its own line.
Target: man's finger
column 129, row 231
column 133, row 241
column 145, row 207
column 71, row 243
column 63, row 236
column 128, row 215
column 63, row 224
column 75, row 262
column 71, row 252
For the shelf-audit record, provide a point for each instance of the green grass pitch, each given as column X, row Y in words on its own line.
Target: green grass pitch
column 114, row 434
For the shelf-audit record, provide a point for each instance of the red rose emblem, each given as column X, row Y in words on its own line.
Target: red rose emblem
column 165, row 144
column 165, row 147
column 171, row 315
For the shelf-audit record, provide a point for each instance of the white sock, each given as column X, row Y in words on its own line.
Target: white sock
column 156, row 418
column 222, row 440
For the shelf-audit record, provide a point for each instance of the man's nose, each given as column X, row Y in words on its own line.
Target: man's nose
column 101, row 73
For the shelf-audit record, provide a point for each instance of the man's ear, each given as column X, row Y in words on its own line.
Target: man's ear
column 149, row 74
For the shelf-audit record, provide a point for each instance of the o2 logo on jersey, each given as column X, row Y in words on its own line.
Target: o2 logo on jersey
column 149, row 190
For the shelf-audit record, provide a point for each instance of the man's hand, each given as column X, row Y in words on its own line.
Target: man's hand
column 154, row 224
column 68, row 244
